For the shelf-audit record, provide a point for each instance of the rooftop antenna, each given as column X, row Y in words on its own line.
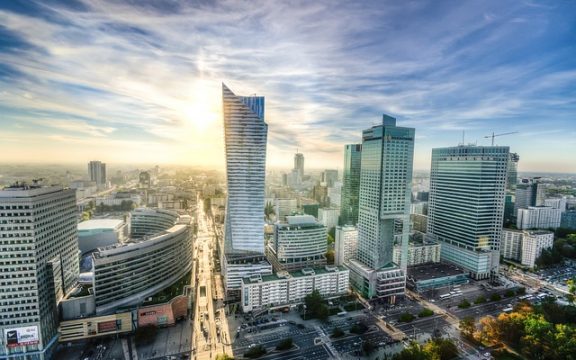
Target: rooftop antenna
column 495, row 135
column 463, row 135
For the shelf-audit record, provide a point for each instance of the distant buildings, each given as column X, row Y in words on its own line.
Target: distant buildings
column 512, row 172
column 299, row 164
column 97, row 173
column 346, row 244
column 329, row 217
column 300, row 243
column 261, row 292
column 39, row 263
column 525, row 246
column 351, row 184
column 568, row 220
column 285, row 207
column 529, row 192
column 329, row 177
column 466, row 207
column 385, row 195
column 245, row 136
column 538, row 217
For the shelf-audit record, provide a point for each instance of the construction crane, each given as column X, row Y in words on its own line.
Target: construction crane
column 494, row 135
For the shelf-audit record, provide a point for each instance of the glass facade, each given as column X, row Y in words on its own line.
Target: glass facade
column 466, row 206
column 351, row 184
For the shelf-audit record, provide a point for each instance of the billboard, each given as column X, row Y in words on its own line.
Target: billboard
column 21, row 336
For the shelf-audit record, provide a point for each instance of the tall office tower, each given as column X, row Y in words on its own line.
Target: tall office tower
column 38, row 266
column 385, row 195
column 466, row 207
column 351, row 184
column 529, row 192
column 512, row 173
column 245, row 135
column 299, row 164
column 329, row 177
column 97, row 172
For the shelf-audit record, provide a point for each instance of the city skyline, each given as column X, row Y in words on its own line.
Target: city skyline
column 86, row 79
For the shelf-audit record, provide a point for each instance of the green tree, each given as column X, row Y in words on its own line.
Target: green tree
column 368, row 347
column 425, row 313
column 495, row 297
column 269, row 210
column 337, row 332
column 572, row 290
column 464, row 304
column 406, row 317
column 441, row 349
column 285, row 344
column 330, row 256
column 480, row 300
column 255, row 352
column 413, row 352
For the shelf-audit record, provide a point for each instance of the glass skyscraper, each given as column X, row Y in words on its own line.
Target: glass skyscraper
column 466, row 205
column 385, row 195
column 245, row 136
column 351, row 184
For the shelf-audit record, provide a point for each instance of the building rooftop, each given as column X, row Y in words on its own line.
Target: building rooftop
column 433, row 271
column 300, row 219
column 100, row 224
column 294, row 274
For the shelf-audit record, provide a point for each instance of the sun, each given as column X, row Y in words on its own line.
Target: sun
column 203, row 109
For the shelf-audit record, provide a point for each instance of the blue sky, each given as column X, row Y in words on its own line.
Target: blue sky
column 135, row 81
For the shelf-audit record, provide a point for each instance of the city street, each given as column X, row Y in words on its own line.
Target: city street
column 210, row 336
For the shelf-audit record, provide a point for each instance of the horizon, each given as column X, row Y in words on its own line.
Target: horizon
column 118, row 81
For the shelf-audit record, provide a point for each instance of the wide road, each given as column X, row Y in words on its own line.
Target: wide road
column 210, row 336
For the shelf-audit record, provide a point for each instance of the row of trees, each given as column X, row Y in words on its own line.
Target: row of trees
column 435, row 349
column 541, row 333
column 564, row 247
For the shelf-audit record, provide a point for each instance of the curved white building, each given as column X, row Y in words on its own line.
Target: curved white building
column 148, row 221
column 301, row 243
column 125, row 275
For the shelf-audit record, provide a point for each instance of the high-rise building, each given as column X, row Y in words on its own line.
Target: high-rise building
column 385, row 196
column 466, row 207
column 39, row 265
column 529, row 192
column 245, row 136
column 329, row 177
column 299, row 164
column 328, row 217
column 512, row 173
column 346, row 244
column 525, row 246
column 351, row 184
column 97, row 172
column 298, row 244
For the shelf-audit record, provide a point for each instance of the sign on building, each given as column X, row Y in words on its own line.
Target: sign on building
column 21, row 336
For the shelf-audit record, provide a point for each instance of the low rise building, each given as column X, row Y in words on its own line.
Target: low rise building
column 419, row 253
column 96, row 233
column 290, row 288
column 511, row 244
column 525, row 246
column 434, row 276
column 568, row 220
column 329, row 217
column 387, row 282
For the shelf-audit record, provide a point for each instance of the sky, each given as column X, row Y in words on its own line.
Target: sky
column 140, row 81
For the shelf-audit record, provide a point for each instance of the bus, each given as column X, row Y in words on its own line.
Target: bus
column 508, row 309
column 445, row 296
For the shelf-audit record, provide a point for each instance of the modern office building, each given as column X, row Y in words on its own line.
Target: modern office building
column 39, row 265
column 329, row 217
column 125, row 275
column 299, row 164
column 245, row 136
column 466, row 207
column 290, row 288
column 418, row 253
column 335, row 194
column 385, row 196
column 97, row 173
column 432, row 276
column 346, row 244
column 556, row 203
column 538, row 217
column 351, row 184
column 512, row 173
column 149, row 221
column 568, row 220
column 299, row 243
column 529, row 192
column 96, row 233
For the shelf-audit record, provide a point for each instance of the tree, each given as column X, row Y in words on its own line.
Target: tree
column 464, row 304
column 316, row 306
column 285, row 344
column 441, row 349
column 330, row 256
column 480, row 300
column 406, row 317
column 572, row 290
column 269, row 210
column 337, row 332
column 413, row 352
column 467, row 326
column 368, row 347
column 495, row 297
column 509, row 293
column 425, row 313
column 255, row 352
column 358, row 328
column 489, row 330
